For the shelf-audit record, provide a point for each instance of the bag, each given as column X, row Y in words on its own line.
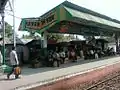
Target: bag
column 72, row 54
column 17, row 70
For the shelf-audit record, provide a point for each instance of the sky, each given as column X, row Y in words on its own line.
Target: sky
column 35, row 8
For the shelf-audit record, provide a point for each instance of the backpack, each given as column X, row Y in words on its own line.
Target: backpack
column 17, row 70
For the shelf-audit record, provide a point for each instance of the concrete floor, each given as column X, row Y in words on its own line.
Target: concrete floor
column 34, row 77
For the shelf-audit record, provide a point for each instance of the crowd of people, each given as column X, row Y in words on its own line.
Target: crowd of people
column 58, row 56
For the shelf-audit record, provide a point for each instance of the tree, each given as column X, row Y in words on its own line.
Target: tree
column 60, row 37
column 26, row 36
column 31, row 35
column 8, row 30
column 54, row 36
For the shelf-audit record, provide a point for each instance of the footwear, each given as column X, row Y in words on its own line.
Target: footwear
column 7, row 76
column 16, row 76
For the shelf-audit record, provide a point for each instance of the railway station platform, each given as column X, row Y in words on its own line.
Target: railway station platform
column 35, row 77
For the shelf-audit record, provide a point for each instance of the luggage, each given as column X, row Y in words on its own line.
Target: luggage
column 17, row 70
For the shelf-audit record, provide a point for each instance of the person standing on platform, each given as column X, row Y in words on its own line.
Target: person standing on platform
column 62, row 56
column 13, row 61
column 56, row 58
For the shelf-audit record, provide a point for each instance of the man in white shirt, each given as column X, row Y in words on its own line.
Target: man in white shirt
column 62, row 56
column 13, row 61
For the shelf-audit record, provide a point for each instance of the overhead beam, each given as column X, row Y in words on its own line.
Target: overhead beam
column 2, row 5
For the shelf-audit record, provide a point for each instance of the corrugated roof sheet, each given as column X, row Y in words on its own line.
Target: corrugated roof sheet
column 86, row 16
column 18, row 41
column 85, row 10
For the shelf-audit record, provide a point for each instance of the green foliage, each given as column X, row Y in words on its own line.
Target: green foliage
column 109, row 39
column 8, row 30
column 60, row 37
column 26, row 36
column 53, row 36
column 32, row 36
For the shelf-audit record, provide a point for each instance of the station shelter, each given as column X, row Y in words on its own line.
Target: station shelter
column 68, row 18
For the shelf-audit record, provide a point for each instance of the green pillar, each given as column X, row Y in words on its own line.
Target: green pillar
column 45, row 39
column 3, row 28
column 44, row 49
column 117, row 42
column 5, row 67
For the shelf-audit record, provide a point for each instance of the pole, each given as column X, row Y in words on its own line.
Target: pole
column 117, row 42
column 14, row 34
column 3, row 27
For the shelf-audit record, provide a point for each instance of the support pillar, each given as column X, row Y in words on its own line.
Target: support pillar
column 14, row 34
column 44, row 52
column 3, row 28
column 5, row 67
column 117, row 42
column 45, row 40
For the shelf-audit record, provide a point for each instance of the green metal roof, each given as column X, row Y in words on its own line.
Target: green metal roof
column 85, row 10
column 89, row 17
column 68, row 12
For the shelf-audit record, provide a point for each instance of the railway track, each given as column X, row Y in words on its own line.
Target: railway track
column 111, row 83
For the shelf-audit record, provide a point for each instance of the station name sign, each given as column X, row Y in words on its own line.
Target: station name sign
column 41, row 23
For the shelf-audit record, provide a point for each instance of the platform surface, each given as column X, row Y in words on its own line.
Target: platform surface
column 34, row 77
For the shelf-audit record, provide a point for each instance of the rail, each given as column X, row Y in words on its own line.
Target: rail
column 102, row 82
